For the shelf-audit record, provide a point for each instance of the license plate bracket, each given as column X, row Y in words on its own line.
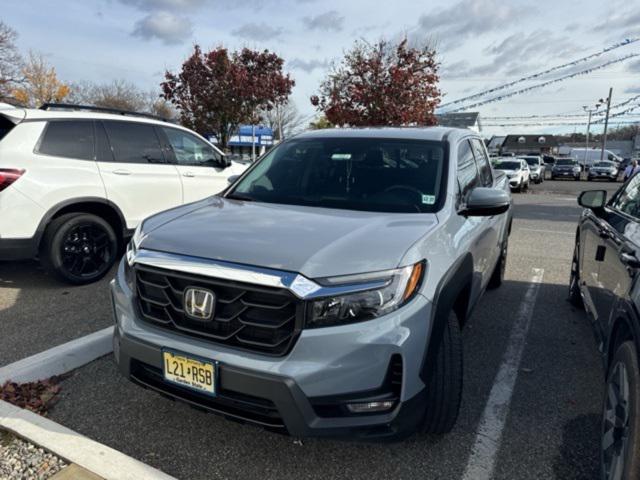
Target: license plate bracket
column 190, row 371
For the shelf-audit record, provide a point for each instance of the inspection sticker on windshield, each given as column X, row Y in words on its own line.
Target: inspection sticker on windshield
column 428, row 199
column 341, row 156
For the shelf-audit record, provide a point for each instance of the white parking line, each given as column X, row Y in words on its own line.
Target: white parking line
column 60, row 359
column 482, row 460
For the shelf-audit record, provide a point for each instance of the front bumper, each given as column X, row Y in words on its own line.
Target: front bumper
column 304, row 392
column 608, row 175
column 565, row 174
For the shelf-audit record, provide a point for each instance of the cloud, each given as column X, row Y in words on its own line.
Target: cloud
column 451, row 26
column 517, row 54
column 164, row 5
column 171, row 29
column 330, row 21
column 634, row 66
column 632, row 90
column 308, row 66
column 258, row 32
column 621, row 19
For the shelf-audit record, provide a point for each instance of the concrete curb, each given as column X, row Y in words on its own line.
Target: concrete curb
column 75, row 448
column 60, row 359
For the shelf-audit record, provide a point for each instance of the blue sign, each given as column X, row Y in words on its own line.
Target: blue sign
column 263, row 136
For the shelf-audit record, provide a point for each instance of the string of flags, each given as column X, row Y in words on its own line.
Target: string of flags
column 544, row 84
column 625, row 42
column 563, row 115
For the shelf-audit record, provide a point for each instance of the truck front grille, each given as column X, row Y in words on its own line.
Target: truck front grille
column 246, row 316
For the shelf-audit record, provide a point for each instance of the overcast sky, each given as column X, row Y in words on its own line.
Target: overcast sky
column 481, row 43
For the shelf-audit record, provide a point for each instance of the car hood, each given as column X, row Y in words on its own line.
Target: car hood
column 316, row 242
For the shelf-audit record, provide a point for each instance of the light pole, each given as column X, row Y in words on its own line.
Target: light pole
column 589, row 111
column 606, row 124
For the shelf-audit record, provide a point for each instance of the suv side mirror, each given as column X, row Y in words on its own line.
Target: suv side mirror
column 486, row 202
column 593, row 199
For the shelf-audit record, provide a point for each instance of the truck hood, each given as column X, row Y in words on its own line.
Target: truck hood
column 316, row 242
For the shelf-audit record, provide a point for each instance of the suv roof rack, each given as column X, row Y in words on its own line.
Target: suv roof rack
column 91, row 108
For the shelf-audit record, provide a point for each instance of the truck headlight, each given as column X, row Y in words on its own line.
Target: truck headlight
column 401, row 286
column 130, row 255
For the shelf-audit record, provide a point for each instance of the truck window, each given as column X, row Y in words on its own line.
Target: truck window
column 467, row 170
column 484, row 166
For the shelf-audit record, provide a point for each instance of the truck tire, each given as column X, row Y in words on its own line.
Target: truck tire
column 78, row 248
column 444, row 377
column 620, row 433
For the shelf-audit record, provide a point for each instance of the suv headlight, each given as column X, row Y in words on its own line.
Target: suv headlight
column 401, row 286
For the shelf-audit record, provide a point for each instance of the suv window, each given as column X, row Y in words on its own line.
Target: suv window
column 628, row 200
column 134, row 142
column 467, row 169
column 68, row 138
column 190, row 150
column 5, row 126
column 484, row 167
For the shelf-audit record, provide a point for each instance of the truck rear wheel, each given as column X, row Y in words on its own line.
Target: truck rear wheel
column 444, row 377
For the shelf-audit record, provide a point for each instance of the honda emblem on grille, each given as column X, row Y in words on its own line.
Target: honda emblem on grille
column 199, row 303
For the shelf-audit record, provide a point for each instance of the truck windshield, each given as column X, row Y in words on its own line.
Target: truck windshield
column 371, row 174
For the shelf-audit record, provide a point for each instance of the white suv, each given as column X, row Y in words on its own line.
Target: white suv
column 76, row 181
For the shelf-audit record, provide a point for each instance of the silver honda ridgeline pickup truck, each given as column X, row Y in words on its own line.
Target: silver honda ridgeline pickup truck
column 324, row 291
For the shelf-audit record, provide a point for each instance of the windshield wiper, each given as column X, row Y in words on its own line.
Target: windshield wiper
column 241, row 196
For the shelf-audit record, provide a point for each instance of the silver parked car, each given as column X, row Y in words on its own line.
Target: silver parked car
column 323, row 292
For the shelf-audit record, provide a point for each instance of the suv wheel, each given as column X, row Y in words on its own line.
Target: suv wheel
column 444, row 377
column 574, row 281
column 619, row 445
column 79, row 248
column 497, row 277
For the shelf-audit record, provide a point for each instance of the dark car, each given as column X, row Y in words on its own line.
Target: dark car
column 565, row 168
column 604, row 276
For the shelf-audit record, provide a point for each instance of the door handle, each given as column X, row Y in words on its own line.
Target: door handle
column 188, row 174
column 122, row 172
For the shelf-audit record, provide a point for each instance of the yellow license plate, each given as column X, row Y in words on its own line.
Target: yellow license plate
column 186, row 371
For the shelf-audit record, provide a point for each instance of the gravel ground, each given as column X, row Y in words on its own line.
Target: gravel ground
column 20, row 460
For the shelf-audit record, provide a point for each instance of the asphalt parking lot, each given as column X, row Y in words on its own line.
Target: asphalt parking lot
column 551, row 429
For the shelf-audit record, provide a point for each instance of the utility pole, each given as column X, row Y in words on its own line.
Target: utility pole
column 590, row 111
column 606, row 124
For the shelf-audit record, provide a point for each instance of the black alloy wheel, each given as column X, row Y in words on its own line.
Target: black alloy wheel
column 79, row 248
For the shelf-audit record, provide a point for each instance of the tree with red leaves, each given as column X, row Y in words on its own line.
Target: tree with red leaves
column 217, row 91
column 381, row 84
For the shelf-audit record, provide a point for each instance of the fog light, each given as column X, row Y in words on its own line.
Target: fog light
column 369, row 407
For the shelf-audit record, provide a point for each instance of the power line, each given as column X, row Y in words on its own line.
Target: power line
column 540, row 74
column 544, row 84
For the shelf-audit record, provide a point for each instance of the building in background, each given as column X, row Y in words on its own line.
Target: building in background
column 470, row 120
column 242, row 143
column 539, row 144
